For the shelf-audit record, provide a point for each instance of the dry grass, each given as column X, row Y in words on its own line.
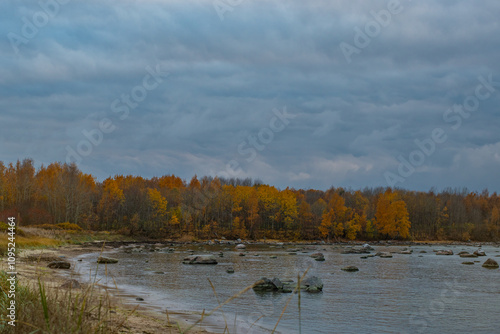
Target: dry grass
column 28, row 242
column 47, row 309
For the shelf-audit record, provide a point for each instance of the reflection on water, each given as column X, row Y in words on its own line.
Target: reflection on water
column 417, row 293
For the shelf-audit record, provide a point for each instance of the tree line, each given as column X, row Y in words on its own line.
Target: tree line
column 209, row 207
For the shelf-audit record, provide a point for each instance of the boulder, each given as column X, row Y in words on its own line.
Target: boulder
column 491, row 264
column 240, row 246
column 312, row 284
column 467, row 255
column 386, row 255
column 468, row 262
column 264, row 285
column 318, row 256
column 71, row 284
column 367, row 247
column 356, row 250
column 103, row 259
column 463, row 252
column 277, row 283
column 59, row 265
column 230, row 270
column 444, row 252
column 480, row 252
column 200, row 259
column 406, row 251
column 350, row 268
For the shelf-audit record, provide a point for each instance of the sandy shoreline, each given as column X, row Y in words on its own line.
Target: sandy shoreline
column 32, row 264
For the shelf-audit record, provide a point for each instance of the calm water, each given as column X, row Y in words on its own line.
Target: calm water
column 417, row 293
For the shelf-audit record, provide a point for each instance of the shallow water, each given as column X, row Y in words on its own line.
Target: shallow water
column 417, row 293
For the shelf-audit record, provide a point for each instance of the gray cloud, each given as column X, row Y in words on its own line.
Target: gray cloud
column 226, row 77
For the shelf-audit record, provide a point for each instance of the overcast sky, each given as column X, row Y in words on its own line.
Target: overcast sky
column 306, row 94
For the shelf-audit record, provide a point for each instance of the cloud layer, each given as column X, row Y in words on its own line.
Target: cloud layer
column 215, row 111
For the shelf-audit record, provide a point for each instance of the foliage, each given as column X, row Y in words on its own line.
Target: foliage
column 69, row 226
column 59, row 196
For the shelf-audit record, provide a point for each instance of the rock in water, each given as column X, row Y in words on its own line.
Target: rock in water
column 467, row 255
column 71, row 284
column 230, row 270
column 277, row 283
column 468, row 262
column 264, row 284
column 350, row 268
column 103, row 259
column 241, row 246
column 480, row 252
column 385, row 255
column 318, row 256
column 444, row 252
column 491, row 264
column 312, row 284
column 356, row 250
column 200, row 259
column 59, row 265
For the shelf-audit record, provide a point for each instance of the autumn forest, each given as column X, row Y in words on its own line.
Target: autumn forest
column 212, row 208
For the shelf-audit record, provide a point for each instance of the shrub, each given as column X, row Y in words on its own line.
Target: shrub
column 69, row 226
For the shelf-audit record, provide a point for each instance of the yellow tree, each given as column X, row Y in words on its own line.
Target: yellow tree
column 111, row 202
column 334, row 217
column 353, row 226
column 158, row 209
column 391, row 217
column 288, row 209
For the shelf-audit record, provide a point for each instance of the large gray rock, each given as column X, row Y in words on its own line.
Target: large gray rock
column 491, row 264
column 357, row 250
column 241, row 246
column 480, row 252
column 59, row 265
column 444, row 252
column 318, row 256
column 367, row 247
column 312, row 284
column 103, row 259
column 467, row 255
column 200, row 259
column 277, row 283
column 384, row 255
column 265, row 285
